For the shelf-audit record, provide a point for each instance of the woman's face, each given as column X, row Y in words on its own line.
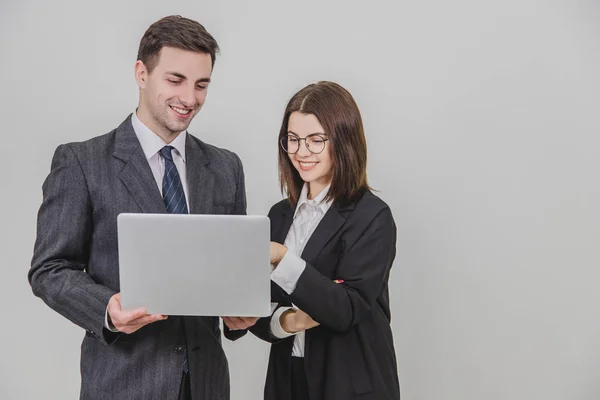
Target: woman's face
column 315, row 169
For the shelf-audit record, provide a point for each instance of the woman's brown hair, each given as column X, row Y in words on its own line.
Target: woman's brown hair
column 339, row 116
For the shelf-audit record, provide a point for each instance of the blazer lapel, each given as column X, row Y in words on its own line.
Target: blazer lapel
column 284, row 225
column 280, row 225
column 200, row 180
column 332, row 221
column 136, row 174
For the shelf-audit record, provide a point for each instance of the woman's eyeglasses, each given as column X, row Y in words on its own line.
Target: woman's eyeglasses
column 315, row 143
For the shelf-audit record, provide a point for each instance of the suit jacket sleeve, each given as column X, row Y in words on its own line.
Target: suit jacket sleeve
column 364, row 267
column 262, row 328
column 58, row 269
column 240, row 209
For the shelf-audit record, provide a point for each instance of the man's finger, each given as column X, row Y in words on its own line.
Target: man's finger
column 139, row 323
column 131, row 315
column 233, row 323
column 125, row 317
column 249, row 321
column 230, row 322
column 155, row 317
column 240, row 322
column 146, row 320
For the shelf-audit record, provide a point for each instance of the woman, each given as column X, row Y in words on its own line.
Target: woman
column 333, row 244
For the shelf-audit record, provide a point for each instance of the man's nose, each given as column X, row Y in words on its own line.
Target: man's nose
column 187, row 96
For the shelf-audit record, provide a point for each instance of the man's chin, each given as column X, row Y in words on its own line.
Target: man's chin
column 177, row 127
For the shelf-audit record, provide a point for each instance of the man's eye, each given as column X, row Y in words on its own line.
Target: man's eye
column 173, row 81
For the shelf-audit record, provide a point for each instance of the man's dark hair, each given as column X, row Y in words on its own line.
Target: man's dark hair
column 178, row 32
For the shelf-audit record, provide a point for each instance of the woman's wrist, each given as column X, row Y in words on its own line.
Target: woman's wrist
column 287, row 321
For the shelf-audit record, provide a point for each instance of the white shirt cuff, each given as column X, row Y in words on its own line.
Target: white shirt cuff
column 288, row 272
column 106, row 325
column 276, row 328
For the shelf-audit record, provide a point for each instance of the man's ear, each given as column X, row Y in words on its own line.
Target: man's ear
column 141, row 74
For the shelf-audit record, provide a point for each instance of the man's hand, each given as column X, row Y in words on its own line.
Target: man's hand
column 277, row 252
column 239, row 323
column 129, row 321
column 293, row 321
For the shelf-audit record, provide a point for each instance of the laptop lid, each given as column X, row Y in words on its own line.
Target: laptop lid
column 189, row 264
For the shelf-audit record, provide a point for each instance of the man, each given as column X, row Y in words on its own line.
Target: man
column 148, row 164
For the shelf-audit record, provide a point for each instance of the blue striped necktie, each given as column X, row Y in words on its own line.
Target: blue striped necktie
column 174, row 198
column 172, row 188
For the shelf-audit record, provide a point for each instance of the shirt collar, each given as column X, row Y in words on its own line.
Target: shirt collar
column 152, row 143
column 316, row 202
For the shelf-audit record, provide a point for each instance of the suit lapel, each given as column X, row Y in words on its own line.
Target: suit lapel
column 200, row 180
column 136, row 174
column 287, row 217
column 331, row 223
column 280, row 225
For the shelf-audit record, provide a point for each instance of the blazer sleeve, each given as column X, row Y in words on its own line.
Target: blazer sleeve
column 262, row 329
column 364, row 268
column 240, row 209
column 61, row 251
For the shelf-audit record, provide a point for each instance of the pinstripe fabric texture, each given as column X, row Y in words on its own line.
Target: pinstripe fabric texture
column 75, row 265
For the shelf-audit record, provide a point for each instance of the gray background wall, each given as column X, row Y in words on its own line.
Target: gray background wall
column 482, row 124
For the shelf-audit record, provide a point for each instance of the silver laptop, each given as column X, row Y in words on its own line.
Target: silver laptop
column 204, row 265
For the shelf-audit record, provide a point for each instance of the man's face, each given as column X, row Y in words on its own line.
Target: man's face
column 173, row 93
